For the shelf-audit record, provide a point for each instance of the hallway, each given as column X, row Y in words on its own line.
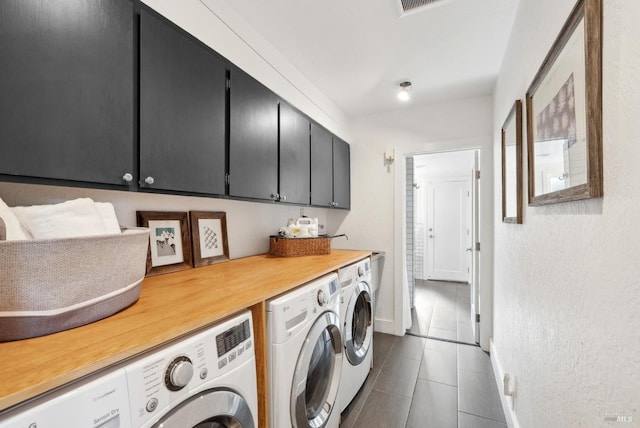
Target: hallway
column 425, row 383
column 442, row 310
column 417, row 382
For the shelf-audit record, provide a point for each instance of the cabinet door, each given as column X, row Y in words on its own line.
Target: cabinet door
column 341, row 174
column 67, row 89
column 321, row 167
column 253, row 138
column 182, row 111
column 295, row 156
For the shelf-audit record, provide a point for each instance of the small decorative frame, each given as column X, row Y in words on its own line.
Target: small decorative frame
column 512, row 165
column 169, row 239
column 564, row 113
column 209, row 237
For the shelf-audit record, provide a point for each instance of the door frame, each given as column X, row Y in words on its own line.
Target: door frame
column 402, row 312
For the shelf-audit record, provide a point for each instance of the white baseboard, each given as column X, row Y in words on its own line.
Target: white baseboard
column 507, row 402
column 384, row 326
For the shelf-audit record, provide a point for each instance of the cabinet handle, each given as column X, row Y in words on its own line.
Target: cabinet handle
column 283, row 198
column 149, row 180
column 275, row 196
column 127, row 177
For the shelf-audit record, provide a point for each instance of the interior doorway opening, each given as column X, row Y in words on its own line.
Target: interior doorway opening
column 442, row 255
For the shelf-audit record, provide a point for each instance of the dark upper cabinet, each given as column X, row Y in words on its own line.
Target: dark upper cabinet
column 341, row 174
column 182, row 111
column 253, row 138
column 66, row 109
column 295, row 157
column 330, row 170
column 321, row 167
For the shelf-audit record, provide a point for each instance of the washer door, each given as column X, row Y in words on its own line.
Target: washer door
column 213, row 408
column 317, row 374
column 358, row 325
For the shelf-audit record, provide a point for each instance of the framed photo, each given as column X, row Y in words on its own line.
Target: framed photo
column 564, row 113
column 209, row 237
column 170, row 244
column 512, row 166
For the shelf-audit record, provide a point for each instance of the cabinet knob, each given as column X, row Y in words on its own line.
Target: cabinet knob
column 149, row 180
column 275, row 196
column 283, row 198
column 127, row 177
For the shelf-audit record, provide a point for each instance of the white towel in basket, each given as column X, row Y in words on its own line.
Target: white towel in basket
column 79, row 217
column 12, row 224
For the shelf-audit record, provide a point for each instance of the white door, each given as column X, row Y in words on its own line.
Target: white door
column 449, row 230
column 474, row 288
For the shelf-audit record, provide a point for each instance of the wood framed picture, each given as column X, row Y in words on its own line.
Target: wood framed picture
column 170, row 243
column 209, row 237
column 564, row 113
column 512, row 166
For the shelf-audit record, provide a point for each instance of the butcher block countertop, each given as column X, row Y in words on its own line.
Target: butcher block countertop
column 170, row 306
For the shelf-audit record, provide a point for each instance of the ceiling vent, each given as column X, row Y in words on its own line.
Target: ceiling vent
column 407, row 6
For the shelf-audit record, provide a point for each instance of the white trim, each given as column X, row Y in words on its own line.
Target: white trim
column 58, row 311
column 384, row 326
column 507, row 402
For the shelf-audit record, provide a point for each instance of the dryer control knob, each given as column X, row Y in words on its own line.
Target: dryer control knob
column 322, row 298
column 179, row 373
column 360, row 271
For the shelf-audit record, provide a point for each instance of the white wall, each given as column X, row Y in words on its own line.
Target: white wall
column 376, row 218
column 249, row 224
column 567, row 293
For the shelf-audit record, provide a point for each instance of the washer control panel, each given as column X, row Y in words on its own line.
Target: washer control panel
column 161, row 380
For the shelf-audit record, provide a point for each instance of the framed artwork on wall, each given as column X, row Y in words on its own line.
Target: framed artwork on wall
column 170, row 243
column 564, row 113
column 512, row 165
column 209, row 237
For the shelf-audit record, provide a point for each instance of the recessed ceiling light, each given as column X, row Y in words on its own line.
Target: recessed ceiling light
column 405, row 91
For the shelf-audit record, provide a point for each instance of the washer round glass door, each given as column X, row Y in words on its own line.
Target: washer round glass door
column 317, row 374
column 213, row 408
column 358, row 328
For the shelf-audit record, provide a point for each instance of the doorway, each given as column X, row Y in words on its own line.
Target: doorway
column 442, row 228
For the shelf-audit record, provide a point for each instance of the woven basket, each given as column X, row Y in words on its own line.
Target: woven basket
column 293, row 247
column 51, row 285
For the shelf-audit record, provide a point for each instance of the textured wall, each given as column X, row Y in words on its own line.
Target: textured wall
column 567, row 281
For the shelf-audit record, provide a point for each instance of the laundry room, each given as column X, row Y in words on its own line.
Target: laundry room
column 222, row 214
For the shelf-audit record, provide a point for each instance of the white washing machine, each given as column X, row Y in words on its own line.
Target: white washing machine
column 100, row 402
column 356, row 313
column 305, row 355
column 205, row 380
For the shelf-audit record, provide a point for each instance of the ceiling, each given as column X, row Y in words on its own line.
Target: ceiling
column 358, row 51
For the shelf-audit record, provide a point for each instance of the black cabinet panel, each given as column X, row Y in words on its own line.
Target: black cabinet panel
column 321, row 167
column 182, row 111
column 341, row 174
column 66, row 109
column 253, row 138
column 295, row 177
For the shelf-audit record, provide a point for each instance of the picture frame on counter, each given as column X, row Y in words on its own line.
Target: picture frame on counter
column 564, row 113
column 209, row 237
column 512, row 165
column 169, row 241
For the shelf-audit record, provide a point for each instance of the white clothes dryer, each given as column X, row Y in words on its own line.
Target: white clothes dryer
column 305, row 355
column 206, row 380
column 356, row 313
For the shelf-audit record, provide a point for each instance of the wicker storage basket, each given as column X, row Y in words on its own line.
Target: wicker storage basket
column 52, row 285
column 292, row 247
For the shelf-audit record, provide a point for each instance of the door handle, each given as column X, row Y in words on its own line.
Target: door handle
column 469, row 249
column 431, row 236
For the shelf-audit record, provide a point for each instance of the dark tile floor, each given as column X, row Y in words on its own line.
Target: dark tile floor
column 425, row 383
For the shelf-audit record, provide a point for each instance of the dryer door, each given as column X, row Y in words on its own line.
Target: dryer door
column 213, row 408
column 358, row 326
column 317, row 374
